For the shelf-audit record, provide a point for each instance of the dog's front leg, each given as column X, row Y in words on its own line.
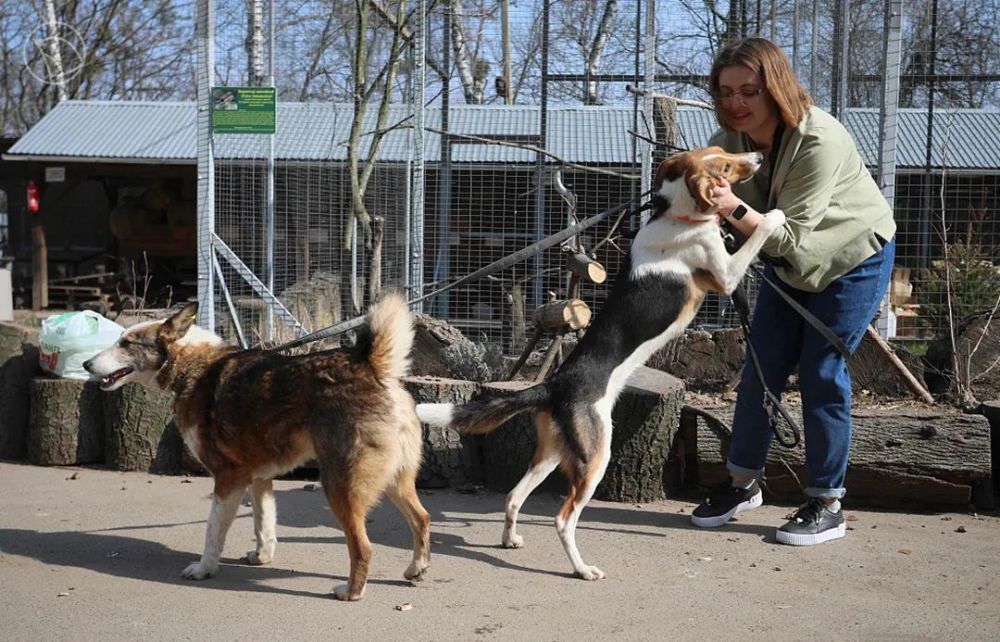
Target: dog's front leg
column 220, row 518
column 729, row 270
column 264, row 518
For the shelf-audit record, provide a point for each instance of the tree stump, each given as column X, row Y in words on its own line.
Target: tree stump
column 450, row 458
column 508, row 450
column 645, row 420
column 139, row 430
column 18, row 364
column 904, row 455
column 66, row 424
column 431, row 336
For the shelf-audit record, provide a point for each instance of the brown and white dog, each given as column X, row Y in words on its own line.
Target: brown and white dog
column 675, row 258
column 250, row 415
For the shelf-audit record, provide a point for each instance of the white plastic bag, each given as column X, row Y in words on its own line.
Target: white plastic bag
column 67, row 340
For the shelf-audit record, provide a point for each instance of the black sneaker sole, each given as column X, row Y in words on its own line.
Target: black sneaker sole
column 723, row 519
column 809, row 539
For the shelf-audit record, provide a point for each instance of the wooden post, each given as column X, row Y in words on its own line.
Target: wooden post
column 39, row 267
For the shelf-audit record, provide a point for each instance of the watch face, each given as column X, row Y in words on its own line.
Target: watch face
column 739, row 212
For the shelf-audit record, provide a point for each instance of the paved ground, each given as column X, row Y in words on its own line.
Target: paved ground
column 99, row 557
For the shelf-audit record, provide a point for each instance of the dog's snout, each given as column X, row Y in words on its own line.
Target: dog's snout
column 87, row 365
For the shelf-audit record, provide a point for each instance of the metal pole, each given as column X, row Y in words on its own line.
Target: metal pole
column 205, row 29
column 891, row 57
column 442, row 263
column 416, row 250
column 649, row 60
column 925, row 211
column 543, row 123
column 813, row 39
column 508, row 76
column 795, row 36
column 269, row 225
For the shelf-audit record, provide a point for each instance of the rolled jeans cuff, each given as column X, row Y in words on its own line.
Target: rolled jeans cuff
column 747, row 473
column 835, row 493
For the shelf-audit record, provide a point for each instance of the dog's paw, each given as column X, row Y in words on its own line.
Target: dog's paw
column 773, row 220
column 199, row 571
column 416, row 570
column 343, row 593
column 512, row 541
column 590, row 573
column 258, row 558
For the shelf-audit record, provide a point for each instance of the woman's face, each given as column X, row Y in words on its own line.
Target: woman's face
column 745, row 103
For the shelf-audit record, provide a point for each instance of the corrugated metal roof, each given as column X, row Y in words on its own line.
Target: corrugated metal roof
column 113, row 130
column 166, row 132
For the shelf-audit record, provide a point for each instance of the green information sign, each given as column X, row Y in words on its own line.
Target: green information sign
column 243, row 110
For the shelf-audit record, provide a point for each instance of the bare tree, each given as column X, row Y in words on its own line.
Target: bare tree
column 107, row 49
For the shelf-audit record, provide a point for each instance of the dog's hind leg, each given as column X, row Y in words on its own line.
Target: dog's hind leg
column 547, row 457
column 225, row 503
column 350, row 499
column 583, row 481
column 264, row 518
column 403, row 493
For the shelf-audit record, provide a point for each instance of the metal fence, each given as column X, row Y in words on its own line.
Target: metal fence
column 476, row 161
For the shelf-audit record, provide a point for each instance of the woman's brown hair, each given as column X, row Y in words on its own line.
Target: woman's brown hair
column 769, row 62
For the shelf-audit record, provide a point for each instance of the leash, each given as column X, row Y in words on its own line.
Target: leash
column 496, row 266
column 771, row 402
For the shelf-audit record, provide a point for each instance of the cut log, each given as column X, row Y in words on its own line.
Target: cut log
column 508, row 450
column 886, row 371
column 450, row 459
column 977, row 353
column 430, row 337
column 573, row 314
column 66, row 425
column 139, row 430
column 586, row 268
column 901, row 455
column 645, row 420
column 15, row 401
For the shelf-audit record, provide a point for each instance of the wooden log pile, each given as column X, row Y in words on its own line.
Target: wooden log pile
column 915, row 455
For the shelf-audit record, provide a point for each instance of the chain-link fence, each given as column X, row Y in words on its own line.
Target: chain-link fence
column 504, row 121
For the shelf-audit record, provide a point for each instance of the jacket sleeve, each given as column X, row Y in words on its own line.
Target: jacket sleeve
column 805, row 194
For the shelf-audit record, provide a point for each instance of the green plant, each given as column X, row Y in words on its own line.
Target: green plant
column 957, row 287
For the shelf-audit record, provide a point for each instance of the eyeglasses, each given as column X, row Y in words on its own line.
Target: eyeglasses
column 745, row 95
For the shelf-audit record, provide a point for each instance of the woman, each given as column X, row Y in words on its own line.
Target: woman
column 834, row 256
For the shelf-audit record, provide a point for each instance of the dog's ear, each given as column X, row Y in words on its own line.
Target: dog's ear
column 700, row 185
column 177, row 326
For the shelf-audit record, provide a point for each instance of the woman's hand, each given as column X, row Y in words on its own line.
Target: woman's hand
column 724, row 198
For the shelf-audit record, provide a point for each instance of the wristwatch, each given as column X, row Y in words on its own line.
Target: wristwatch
column 738, row 212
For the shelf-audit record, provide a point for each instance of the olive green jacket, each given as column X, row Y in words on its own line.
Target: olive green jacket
column 833, row 206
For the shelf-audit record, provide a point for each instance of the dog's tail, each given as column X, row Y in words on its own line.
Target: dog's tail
column 390, row 325
column 480, row 417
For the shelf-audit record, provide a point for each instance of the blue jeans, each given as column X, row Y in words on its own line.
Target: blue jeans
column 783, row 339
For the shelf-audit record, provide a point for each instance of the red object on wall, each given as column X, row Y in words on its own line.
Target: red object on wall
column 34, row 197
